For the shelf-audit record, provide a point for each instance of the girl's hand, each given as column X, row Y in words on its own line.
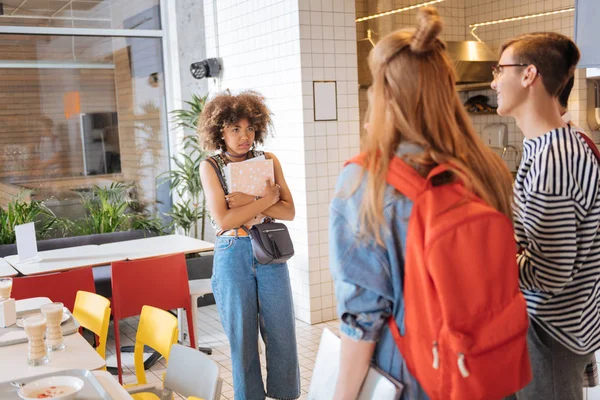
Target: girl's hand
column 272, row 192
column 238, row 199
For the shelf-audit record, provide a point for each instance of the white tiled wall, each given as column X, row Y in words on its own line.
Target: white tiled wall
column 328, row 52
column 279, row 47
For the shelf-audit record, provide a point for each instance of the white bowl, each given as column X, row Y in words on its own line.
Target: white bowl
column 69, row 385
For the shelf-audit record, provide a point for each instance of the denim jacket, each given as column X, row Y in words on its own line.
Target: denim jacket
column 369, row 277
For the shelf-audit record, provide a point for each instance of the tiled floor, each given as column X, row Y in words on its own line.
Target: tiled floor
column 592, row 393
column 211, row 335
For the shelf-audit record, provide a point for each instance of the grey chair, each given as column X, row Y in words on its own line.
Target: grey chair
column 190, row 373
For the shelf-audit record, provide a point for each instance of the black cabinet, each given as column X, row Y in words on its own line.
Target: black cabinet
column 587, row 32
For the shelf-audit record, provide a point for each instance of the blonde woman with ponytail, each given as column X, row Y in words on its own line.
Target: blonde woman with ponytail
column 414, row 112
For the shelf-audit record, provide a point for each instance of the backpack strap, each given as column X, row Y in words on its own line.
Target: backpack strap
column 590, row 144
column 403, row 177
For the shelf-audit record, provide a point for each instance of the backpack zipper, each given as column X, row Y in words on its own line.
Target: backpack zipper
column 436, row 355
column 461, row 366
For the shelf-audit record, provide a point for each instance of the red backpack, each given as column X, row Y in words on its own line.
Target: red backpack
column 465, row 318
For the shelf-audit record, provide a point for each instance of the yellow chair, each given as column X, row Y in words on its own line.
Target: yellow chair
column 92, row 311
column 157, row 329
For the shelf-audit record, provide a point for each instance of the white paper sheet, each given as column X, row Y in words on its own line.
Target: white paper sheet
column 376, row 386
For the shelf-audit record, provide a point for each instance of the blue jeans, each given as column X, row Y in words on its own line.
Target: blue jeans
column 249, row 295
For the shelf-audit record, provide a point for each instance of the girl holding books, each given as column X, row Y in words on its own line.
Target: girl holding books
column 248, row 294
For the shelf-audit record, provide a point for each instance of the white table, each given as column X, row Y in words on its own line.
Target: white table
column 78, row 354
column 6, row 270
column 156, row 246
column 111, row 385
column 61, row 260
column 91, row 256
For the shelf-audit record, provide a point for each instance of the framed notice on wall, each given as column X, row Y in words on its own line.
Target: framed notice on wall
column 325, row 100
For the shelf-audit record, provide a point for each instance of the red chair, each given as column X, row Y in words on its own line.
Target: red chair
column 160, row 282
column 59, row 286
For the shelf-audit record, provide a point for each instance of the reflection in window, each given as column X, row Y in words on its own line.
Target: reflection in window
column 99, row 14
column 100, row 142
column 81, row 111
column 64, row 124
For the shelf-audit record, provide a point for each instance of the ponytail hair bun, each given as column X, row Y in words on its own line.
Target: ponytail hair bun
column 429, row 26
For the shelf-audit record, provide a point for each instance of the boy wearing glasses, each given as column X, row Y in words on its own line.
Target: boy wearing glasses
column 556, row 215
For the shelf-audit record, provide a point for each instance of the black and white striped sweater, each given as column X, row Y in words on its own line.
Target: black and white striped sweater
column 557, row 217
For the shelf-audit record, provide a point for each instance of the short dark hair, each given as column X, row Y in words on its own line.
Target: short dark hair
column 563, row 97
column 554, row 55
column 225, row 109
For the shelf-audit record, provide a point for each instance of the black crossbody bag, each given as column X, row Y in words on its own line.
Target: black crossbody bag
column 271, row 241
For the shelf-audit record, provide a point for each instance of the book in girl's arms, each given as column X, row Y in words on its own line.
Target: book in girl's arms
column 250, row 177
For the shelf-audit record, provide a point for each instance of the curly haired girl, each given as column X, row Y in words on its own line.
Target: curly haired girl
column 248, row 294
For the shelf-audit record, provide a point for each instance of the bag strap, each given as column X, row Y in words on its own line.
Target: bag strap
column 211, row 161
column 213, row 164
column 396, row 334
column 245, row 228
column 403, row 177
column 588, row 140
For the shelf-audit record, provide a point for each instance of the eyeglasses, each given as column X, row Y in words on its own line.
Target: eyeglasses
column 497, row 69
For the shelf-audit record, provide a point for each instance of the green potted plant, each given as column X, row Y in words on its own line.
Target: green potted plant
column 111, row 209
column 184, row 179
column 19, row 211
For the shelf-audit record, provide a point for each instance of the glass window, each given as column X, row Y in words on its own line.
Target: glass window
column 81, row 111
column 108, row 14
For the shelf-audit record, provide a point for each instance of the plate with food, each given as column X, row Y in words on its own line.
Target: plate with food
column 53, row 387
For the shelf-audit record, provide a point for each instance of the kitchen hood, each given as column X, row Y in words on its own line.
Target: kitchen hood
column 473, row 62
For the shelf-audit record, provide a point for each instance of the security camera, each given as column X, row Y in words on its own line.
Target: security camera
column 206, row 68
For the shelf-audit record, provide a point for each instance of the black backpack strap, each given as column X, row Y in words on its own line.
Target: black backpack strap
column 213, row 164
